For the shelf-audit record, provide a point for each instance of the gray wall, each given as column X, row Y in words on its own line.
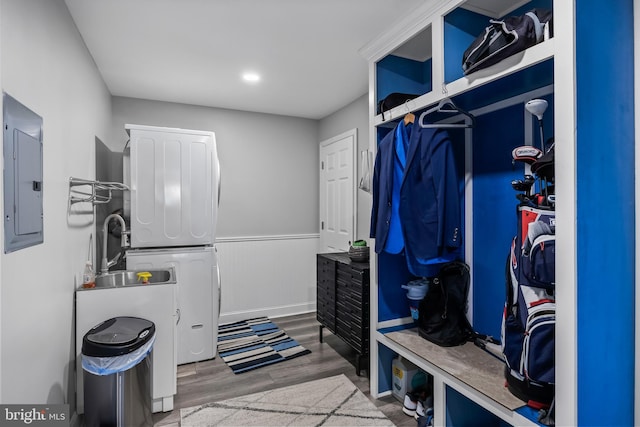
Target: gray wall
column 354, row 115
column 268, row 163
column 46, row 66
column 270, row 184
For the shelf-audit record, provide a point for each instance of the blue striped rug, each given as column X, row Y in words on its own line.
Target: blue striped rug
column 254, row 343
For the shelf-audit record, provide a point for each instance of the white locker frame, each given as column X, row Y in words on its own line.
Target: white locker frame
column 432, row 14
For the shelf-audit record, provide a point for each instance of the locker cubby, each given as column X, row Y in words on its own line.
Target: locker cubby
column 463, row 24
column 493, row 213
column 436, row 72
column 460, row 391
column 463, row 412
column 407, row 69
column 393, row 271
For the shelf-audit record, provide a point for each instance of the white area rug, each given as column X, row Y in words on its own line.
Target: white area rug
column 333, row 401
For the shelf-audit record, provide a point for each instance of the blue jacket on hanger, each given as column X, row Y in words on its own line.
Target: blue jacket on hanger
column 394, row 243
column 428, row 200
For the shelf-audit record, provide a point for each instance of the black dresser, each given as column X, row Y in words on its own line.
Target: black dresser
column 343, row 301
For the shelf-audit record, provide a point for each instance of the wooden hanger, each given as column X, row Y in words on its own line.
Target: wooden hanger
column 409, row 117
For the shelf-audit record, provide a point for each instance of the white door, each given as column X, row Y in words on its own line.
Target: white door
column 338, row 192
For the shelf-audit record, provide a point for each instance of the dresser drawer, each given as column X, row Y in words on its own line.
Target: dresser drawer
column 325, row 266
column 326, row 293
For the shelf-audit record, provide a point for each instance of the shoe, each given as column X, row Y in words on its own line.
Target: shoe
column 424, row 408
column 420, row 411
column 427, row 419
column 410, row 404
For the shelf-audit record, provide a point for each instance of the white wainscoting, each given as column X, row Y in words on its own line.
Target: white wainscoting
column 270, row 276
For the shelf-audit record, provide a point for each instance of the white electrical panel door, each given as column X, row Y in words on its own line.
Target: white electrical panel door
column 174, row 178
column 22, row 149
column 197, row 296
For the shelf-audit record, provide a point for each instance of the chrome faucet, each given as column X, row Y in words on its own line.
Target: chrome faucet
column 124, row 242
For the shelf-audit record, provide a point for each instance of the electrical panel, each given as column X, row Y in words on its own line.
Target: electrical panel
column 23, row 214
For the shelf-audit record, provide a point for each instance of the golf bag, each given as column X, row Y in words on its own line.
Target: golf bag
column 528, row 323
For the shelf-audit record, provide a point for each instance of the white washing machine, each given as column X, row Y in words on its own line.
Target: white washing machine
column 197, row 295
column 154, row 302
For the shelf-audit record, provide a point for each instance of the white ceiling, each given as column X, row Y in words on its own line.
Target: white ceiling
column 195, row 51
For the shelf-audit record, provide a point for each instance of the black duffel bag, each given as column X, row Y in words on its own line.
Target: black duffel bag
column 393, row 100
column 503, row 38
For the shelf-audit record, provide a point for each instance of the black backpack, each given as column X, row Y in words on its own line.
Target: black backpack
column 442, row 312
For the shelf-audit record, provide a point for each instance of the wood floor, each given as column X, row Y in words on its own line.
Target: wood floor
column 212, row 380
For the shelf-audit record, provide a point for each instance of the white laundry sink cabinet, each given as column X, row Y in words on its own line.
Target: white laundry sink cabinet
column 155, row 302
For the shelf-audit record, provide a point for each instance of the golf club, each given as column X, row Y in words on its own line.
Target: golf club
column 537, row 107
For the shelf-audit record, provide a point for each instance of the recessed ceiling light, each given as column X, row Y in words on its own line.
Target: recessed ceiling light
column 251, row 77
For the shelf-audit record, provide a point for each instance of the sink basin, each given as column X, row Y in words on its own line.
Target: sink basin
column 121, row 278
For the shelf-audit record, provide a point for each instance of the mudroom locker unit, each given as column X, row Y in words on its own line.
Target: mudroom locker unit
column 586, row 74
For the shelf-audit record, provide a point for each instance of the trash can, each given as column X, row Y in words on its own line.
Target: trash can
column 116, row 372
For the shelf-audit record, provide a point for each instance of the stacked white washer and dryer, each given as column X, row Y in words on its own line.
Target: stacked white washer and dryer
column 172, row 208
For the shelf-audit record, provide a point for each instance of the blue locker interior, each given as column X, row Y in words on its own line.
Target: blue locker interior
column 495, row 135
